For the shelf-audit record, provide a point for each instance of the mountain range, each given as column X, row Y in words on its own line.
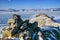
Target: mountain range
column 15, row 10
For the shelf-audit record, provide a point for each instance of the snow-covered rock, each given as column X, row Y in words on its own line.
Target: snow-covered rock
column 44, row 20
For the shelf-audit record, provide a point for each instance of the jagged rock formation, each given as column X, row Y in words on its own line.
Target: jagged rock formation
column 44, row 20
column 40, row 27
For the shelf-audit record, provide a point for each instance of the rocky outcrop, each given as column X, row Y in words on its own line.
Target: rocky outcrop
column 44, row 20
column 39, row 28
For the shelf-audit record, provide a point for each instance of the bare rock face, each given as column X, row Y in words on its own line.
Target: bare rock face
column 13, row 26
column 11, row 23
column 40, row 27
column 18, row 23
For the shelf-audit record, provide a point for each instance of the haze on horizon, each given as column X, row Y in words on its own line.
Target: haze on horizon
column 29, row 4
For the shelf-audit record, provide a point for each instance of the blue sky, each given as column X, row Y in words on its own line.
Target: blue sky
column 29, row 4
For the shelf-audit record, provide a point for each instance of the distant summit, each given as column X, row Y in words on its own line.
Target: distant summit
column 9, row 10
column 22, row 10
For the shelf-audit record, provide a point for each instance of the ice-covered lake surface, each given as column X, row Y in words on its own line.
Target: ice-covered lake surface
column 4, row 16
